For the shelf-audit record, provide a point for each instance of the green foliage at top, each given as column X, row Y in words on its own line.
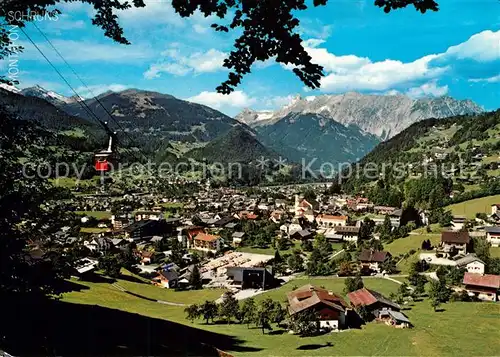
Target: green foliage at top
column 267, row 30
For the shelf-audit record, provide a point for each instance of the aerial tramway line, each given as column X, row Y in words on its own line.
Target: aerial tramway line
column 107, row 158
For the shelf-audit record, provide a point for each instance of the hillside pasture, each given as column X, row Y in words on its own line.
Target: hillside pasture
column 434, row 333
column 413, row 241
column 471, row 207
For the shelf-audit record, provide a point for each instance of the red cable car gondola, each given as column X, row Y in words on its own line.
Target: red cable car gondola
column 103, row 158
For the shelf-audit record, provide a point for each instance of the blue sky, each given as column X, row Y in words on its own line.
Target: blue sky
column 454, row 52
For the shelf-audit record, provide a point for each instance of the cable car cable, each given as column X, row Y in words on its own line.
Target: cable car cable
column 90, row 90
column 82, row 103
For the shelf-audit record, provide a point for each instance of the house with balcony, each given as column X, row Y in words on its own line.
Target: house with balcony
column 471, row 263
column 207, row 242
column 453, row 243
column 330, row 308
column 493, row 236
column 370, row 259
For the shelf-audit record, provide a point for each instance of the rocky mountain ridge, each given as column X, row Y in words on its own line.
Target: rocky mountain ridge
column 380, row 115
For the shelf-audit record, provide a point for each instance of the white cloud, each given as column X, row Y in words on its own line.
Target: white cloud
column 84, row 51
column 73, row 7
column 198, row 28
column 337, row 64
column 314, row 28
column 237, row 99
column 353, row 73
column 392, row 92
column 312, row 42
column 278, row 101
column 161, row 12
column 481, row 47
column 381, row 76
column 430, row 89
column 95, row 90
column 64, row 22
column 494, row 79
column 179, row 64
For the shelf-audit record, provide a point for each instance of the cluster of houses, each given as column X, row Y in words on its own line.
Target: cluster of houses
column 454, row 249
column 334, row 313
column 144, row 220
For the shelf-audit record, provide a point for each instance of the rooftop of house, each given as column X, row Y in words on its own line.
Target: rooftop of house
column 469, row 258
column 375, row 256
column 366, row 297
column 330, row 217
column 238, row 234
column 346, row 229
column 482, row 280
column 461, row 237
column 303, row 233
column 398, row 316
column 169, row 275
column 310, row 295
column 492, row 229
column 206, row 237
column 384, row 208
column 308, row 203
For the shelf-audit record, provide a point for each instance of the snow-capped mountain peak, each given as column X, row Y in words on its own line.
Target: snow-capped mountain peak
column 250, row 116
column 9, row 88
column 381, row 115
column 48, row 95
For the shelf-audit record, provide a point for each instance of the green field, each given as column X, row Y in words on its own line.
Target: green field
column 435, row 228
column 404, row 245
column 495, row 252
column 72, row 183
column 95, row 214
column 405, row 264
column 434, row 334
column 470, row 208
column 172, row 205
column 93, row 230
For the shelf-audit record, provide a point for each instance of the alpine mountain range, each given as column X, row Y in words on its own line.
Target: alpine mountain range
column 329, row 128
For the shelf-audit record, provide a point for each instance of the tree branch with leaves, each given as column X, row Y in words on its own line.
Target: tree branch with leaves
column 269, row 29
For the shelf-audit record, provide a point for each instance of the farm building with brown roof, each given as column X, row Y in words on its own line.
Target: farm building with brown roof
column 330, row 307
column 482, row 286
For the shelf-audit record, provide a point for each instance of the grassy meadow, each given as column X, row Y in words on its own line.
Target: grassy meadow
column 434, row 334
column 413, row 241
column 470, row 208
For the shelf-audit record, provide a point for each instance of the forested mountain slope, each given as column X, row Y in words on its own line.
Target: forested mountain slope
column 432, row 162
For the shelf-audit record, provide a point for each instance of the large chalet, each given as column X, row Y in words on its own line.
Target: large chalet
column 331, row 308
column 370, row 259
column 457, row 241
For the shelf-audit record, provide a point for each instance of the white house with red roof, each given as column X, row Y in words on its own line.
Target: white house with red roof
column 327, row 221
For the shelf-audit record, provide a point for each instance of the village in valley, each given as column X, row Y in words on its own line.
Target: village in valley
column 300, row 260
column 251, row 178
